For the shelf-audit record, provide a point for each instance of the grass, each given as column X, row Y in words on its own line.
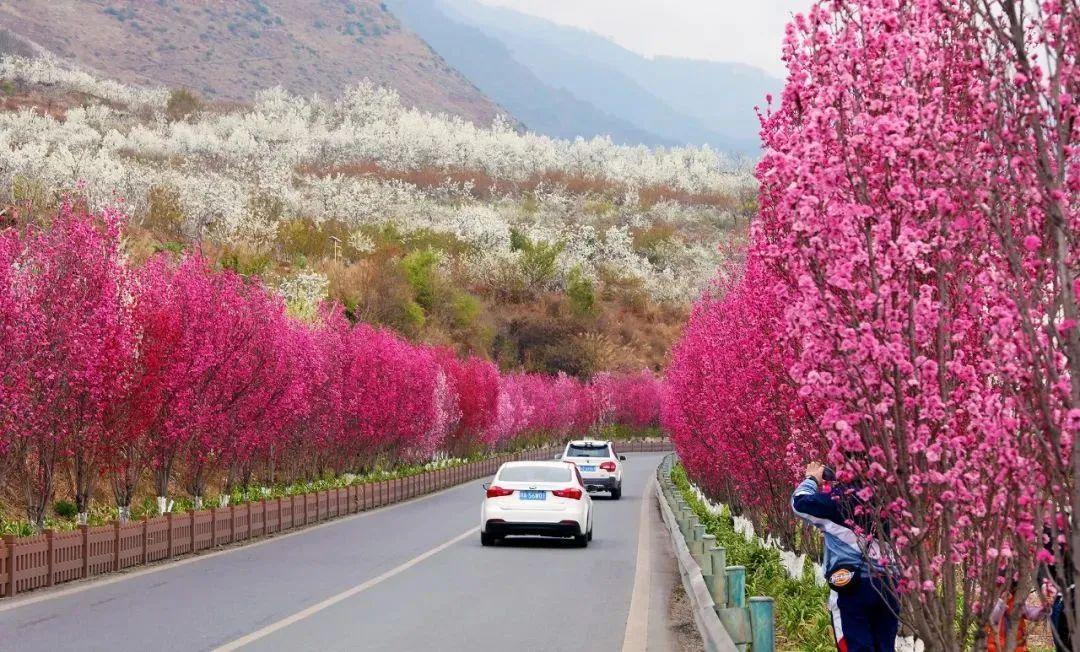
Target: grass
column 802, row 618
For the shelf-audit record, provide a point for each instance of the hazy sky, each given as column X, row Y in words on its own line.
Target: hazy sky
column 749, row 31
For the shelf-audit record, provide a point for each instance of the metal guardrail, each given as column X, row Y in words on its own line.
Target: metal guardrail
column 717, row 592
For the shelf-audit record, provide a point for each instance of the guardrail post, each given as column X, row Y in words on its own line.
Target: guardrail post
column 762, row 624
column 699, row 539
column 49, row 556
column 689, row 522
column 736, row 586
column 717, row 582
column 12, row 545
column 704, row 560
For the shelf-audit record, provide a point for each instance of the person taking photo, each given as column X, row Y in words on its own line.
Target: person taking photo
column 864, row 610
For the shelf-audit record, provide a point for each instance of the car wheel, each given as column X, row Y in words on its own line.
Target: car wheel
column 589, row 535
column 486, row 539
column 616, row 493
column 581, row 540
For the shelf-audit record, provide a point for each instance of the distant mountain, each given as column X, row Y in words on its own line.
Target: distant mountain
column 229, row 49
column 678, row 100
column 543, row 108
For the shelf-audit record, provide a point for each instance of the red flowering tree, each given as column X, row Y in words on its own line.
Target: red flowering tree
column 14, row 336
column 632, row 399
column 68, row 362
column 730, row 406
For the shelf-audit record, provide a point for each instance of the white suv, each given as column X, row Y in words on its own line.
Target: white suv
column 600, row 466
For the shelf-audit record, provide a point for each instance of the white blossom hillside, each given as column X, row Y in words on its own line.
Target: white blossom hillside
column 304, row 185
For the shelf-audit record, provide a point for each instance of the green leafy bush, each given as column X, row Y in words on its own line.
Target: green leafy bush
column 580, row 291
column 419, row 269
column 65, row 509
column 182, row 104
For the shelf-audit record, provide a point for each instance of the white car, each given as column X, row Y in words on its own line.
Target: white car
column 600, row 466
column 538, row 498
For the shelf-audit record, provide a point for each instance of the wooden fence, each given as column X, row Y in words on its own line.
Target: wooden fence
column 28, row 563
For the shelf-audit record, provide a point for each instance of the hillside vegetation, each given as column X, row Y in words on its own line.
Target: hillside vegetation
column 545, row 254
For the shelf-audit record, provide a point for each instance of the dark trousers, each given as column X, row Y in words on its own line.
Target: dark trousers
column 865, row 617
column 1060, row 624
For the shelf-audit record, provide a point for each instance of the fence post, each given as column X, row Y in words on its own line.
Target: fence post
column 191, row 530
column 264, row 532
column 49, row 556
column 736, row 586
column 145, row 538
column 10, row 542
column 116, row 546
column 213, row 527
column 168, row 536
column 85, row 550
column 762, row 624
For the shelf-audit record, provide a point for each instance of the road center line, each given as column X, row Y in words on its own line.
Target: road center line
column 636, row 638
column 344, row 595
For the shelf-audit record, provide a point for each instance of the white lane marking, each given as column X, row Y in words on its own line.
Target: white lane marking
column 636, row 637
column 113, row 577
column 344, row 595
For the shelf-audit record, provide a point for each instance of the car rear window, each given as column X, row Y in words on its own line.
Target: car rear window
column 535, row 474
column 575, row 450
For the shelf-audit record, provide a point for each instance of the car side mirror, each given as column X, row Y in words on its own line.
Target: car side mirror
column 622, row 458
column 486, row 485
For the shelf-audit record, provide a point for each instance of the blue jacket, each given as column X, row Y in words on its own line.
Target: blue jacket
column 824, row 511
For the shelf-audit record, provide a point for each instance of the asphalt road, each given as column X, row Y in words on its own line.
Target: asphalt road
column 408, row 577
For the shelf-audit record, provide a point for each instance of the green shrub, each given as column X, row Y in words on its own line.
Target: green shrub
column 414, row 316
column 172, row 247
column 580, row 291
column 65, row 509
column 244, row 262
column 465, row 308
column 419, row 269
column 182, row 104
column 537, row 263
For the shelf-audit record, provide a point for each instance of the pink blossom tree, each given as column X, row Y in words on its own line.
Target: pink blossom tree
column 730, row 406
column 71, row 356
column 919, row 194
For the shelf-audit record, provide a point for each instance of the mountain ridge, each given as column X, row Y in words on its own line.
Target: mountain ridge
column 230, row 50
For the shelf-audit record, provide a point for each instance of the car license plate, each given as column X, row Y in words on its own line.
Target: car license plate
column 588, row 468
column 533, row 495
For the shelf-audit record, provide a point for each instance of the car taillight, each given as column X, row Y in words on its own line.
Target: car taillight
column 496, row 492
column 608, row 466
column 572, row 493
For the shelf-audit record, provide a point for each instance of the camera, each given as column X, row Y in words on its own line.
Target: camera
column 828, row 475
